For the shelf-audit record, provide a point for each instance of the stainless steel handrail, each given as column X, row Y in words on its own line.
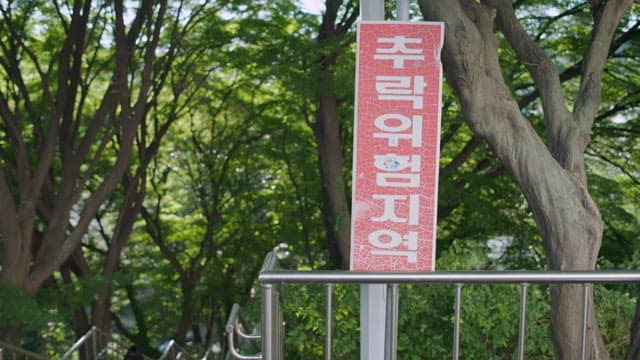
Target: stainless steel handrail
column 271, row 317
column 234, row 323
column 450, row 277
column 211, row 353
column 270, row 262
column 242, row 334
column 168, row 349
column 96, row 344
column 175, row 351
column 240, row 324
column 271, row 279
column 328, row 321
column 90, row 335
column 11, row 351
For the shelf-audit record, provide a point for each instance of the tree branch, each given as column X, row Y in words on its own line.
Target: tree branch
column 462, row 156
column 630, row 175
column 543, row 71
column 11, row 235
column 153, row 228
column 589, row 95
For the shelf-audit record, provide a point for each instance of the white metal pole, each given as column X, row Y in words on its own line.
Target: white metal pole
column 372, row 296
column 402, row 10
column 372, row 10
column 372, row 321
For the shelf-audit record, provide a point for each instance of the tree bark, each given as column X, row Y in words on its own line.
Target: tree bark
column 327, row 130
column 327, row 133
column 552, row 178
column 69, row 142
column 634, row 344
column 76, row 139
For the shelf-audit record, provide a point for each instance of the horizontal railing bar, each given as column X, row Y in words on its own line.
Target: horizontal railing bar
column 451, row 277
column 241, row 333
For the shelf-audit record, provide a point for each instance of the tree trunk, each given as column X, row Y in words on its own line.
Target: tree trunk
column 552, row 178
column 327, row 133
column 189, row 310
column 337, row 19
column 134, row 189
column 72, row 148
column 634, row 344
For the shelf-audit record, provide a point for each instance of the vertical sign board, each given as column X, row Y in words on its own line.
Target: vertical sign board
column 396, row 146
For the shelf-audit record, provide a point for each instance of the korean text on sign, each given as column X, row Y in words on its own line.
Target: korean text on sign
column 396, row 143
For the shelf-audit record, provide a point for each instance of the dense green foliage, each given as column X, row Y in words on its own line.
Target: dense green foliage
column 225, row 168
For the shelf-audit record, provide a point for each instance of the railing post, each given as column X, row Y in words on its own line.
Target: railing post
column 585, row 319
column 94, row 344
column 456, row 324
column 523, row 320
column 391, row 321
column 329, row 321
column 268, row 322
column 279, row 325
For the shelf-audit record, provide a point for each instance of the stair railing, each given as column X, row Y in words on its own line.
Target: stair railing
column 10, row 352
column 237, row 325
column 174, row 351
column 212, row 353
column 272, row 324
column 95, row 344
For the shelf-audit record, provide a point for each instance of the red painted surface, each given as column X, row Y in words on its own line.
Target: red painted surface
column 396, row 146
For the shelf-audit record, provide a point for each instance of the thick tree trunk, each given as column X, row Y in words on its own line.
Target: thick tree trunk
column 19, row 265
column 571, row 228
column 552, row 178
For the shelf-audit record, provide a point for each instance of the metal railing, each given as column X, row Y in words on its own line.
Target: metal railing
column 10, row 352
column 270, row 279
column 212, row 353
column 95, row 344
column 175, row 352
column 272, row 329
column 237, row 325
